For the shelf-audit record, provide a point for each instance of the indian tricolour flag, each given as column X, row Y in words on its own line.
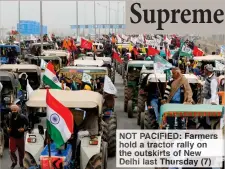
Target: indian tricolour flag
column 59, row 121
column 50, row 78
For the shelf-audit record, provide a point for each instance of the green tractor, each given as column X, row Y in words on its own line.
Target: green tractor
column 133, row 72
column 149, row 117
column 142, row 94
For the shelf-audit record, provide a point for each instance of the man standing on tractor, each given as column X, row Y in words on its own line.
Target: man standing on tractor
column 17, row 125
column 178, row 91
column 210, row 87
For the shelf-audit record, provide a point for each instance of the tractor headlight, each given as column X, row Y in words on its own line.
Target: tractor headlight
column 7, row 99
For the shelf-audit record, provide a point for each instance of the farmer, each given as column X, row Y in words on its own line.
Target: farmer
column 210, row 87
column 17, row 125
column 177, row 91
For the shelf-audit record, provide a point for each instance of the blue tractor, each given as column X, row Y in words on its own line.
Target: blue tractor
column 4, row 53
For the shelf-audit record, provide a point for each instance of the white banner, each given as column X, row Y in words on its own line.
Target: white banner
column 119, row 40
column 219, row 66
column 109, row 86
column 133, row 40
column 86, row 78
column 29, row 89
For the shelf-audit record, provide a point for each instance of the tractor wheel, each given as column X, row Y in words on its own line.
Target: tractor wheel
column 119, row 69
column 125, row 98
column 130, row 109
column 112, row 126
column 128, row 93
column 95, row 162
column 28, row 161
column 124, row 81
column 141, row 107
column 104, row 126
column 113, row 74
column 2, row 142
column 104, row 150
column 123, row 71
column 142, row 120
column 150, row 120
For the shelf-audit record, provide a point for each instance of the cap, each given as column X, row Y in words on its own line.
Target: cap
column 87, row 87
column 209, row 67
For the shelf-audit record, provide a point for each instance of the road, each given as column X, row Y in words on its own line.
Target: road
column 123, row 123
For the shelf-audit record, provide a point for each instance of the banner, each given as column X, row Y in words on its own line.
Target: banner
column 222, row 50
column 185, row 50
column 219, row 66
column 86, row 44
column 134, row 40
column 86, row 78
column 109, row 86
column 197, row 51
column 152, row 51
column 29, row 89
column 160, row 64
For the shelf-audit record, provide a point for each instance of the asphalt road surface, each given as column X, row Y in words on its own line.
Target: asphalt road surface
column 122, row 123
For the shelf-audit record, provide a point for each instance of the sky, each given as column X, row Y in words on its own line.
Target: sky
column 59, row 15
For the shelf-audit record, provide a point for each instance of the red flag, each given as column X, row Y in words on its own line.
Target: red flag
column 135, row 51
column 73, row 45
column 117, row 57
column 86, row 44
column 152, row 51
column 197, row 51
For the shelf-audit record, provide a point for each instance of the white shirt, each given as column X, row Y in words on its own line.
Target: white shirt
column 214, row 89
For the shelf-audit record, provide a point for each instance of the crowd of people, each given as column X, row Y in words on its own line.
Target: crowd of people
column 178, row 90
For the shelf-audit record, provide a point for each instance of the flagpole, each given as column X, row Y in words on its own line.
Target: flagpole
column 77, row 17
column 19, row 25
column 95, row 20
column 109, row 16
column 41, row 25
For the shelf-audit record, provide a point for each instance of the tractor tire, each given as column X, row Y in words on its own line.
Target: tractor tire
column 142, row 120
column 104, row 126
column 141, row 107
column 104, row 150
column 2, row 142
column 130, row 111
column 150, row 120
column 112, row 126
column 113, row 75
column 128, row 92
column 123, row 71
column 119, row 69
column 28, row 161
column 125, row 81
column 95, row 162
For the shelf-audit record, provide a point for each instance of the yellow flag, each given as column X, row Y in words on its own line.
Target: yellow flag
column 143, row 50
column 130, row 48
